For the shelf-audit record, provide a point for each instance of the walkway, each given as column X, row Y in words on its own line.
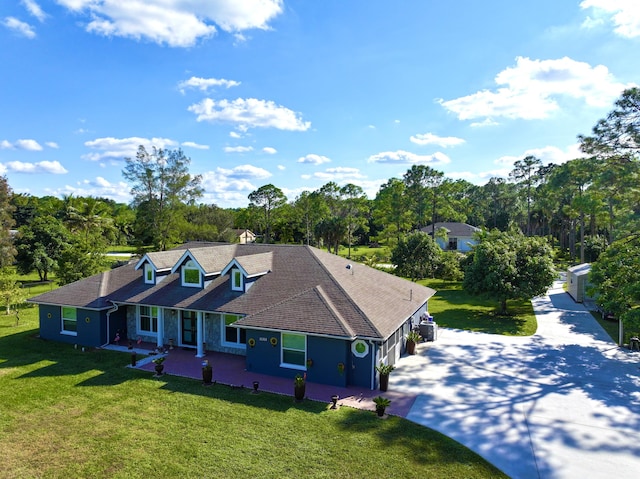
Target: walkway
column 230, row 370
column 564, row 403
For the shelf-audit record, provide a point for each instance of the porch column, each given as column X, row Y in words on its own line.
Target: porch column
column 200, row 335
column 160, row 336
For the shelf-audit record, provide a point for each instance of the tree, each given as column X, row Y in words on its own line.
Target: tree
column 310, row 209
column 11, row 292
column 417, row 256
column 619, row 133
column 40, row 245
column 508, row 265
column 391, row 211
column 161, row 185
column 524, row 173
column 616, row 280
column 7, row 249
column 355, row 207
column 79, row 260
column 268, row 198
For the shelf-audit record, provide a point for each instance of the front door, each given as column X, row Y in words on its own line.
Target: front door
column 189, row 327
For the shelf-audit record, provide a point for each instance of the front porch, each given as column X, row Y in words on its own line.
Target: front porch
column 229, row 369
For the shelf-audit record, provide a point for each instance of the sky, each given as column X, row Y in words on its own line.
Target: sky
column 298, row 93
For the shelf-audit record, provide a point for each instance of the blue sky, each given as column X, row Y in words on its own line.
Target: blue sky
column 299, row 92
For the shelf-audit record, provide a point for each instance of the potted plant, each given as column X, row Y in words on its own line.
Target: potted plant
column 159, row 366
column 299, row 386
column 207, row 372
column 382, row 404
column 384, row 370
column 413, row 338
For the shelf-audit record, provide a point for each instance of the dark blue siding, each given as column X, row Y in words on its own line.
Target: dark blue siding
column 325, row 354
column 90, row 329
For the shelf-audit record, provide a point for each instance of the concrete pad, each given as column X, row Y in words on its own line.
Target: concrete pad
column 563, row 403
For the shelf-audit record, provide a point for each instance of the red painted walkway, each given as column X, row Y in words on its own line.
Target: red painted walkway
column 229, row 369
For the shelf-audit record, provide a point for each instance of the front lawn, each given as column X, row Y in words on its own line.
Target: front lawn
column 68, row 413
column 452, row 307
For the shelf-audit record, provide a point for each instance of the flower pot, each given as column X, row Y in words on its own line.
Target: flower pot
column 411, row 347
column 207, row 375
column 384, row 382
column 159, row 368
column 380, row 411
column 299, row 392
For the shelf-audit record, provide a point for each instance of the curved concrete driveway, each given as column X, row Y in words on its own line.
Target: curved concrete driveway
column 564, row 403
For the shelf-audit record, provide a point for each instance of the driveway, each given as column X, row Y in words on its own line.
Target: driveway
column 564, row 403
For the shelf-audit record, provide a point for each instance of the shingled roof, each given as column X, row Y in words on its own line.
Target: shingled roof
column 301, row 288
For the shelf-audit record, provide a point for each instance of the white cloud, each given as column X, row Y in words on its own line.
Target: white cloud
column 401, row 157
column 625, row 15
column 6, row 145
column 281, row 167
column 532, row 87
column 99, row 187
column 235, row 134
column 177, row 23
column 339, row 173
column 197, row 146
column 431, row 139
column 238, row 149
column 204, row 84
column 121, row 148
column 52, row 167
column 19, row 27
column 249, row 112
column 269, row 151
column 52, row 144
column 314, row 159
column 34, row 9
column 31, row 145
column 547, row 154
column 484, row 123
column 231, row 187
column 245, row 171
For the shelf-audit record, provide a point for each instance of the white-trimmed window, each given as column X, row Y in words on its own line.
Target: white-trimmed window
column 149, row 276
column 190, row 274
column 69, row 319
column 233, row 337
column 294, row 350
column 148, row 320
column 237, row 280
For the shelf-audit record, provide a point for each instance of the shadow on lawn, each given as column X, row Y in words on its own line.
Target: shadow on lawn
column 49, row 359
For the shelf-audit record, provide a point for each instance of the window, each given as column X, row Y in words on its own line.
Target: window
column 69, row 321
column 453, row 244
column 148, row 320
column 148, row 273
column 236, row 280
column 233, row 336
column 190, row 274
column 294, row 350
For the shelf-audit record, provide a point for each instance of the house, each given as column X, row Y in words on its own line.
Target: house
column 244, row 236
column 578, row 282
column 459, row 235
column 287, row 309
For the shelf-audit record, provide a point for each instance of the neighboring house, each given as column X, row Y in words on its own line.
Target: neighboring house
column 245, row 236
column 459, row 236
column 578, row 282
column 288, row 309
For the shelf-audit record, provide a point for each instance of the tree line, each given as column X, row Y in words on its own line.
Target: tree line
column 580, row 207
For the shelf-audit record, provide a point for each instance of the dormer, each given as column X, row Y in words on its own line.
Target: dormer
column 245, row 270
column 156, row 267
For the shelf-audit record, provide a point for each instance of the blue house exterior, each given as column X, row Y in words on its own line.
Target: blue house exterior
column 287, row 309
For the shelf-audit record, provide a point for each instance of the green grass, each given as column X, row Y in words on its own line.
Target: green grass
column 452, row 307
column 66, row 413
